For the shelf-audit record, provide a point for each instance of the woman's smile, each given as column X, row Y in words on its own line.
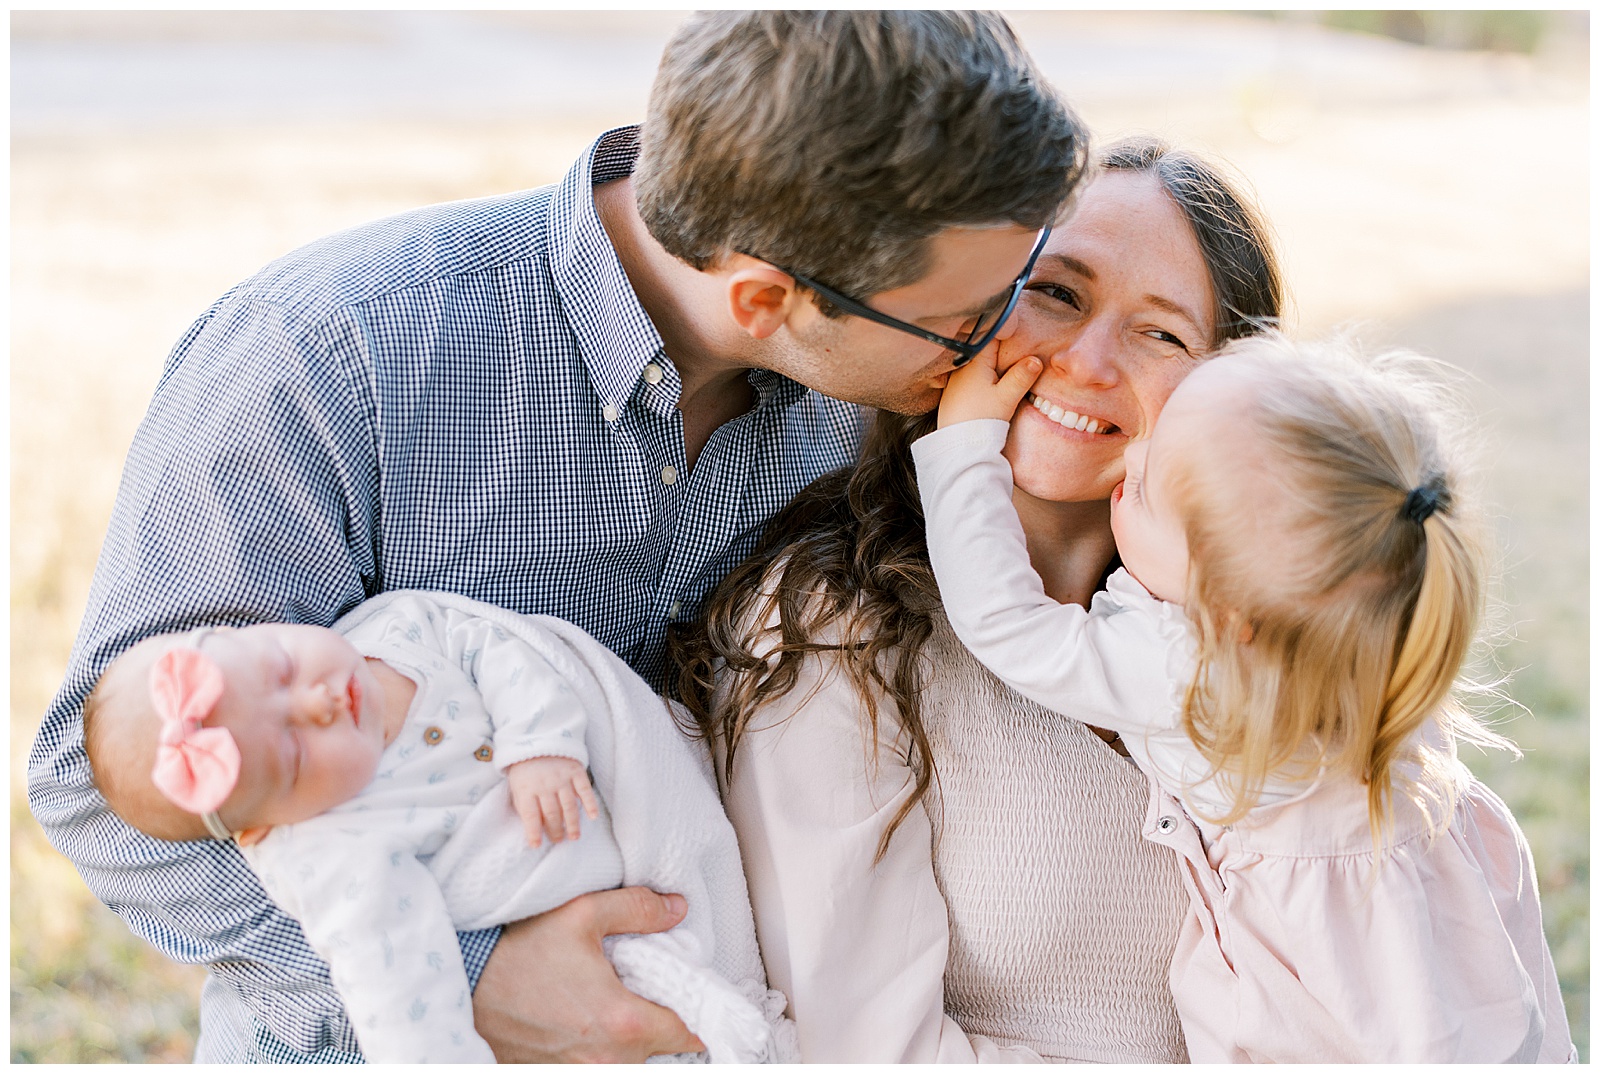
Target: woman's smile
column 1072, row 419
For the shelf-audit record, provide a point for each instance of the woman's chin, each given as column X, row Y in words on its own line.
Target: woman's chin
column 1050, row 462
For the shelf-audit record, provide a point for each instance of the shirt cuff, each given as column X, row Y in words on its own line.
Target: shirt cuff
column 476, row 948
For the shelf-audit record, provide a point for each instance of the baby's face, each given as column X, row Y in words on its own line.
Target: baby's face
column 304, row 707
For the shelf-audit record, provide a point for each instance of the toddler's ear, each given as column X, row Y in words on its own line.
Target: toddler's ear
column 251, row 836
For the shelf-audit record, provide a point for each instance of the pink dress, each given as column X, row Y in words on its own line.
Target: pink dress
column 1300, row 944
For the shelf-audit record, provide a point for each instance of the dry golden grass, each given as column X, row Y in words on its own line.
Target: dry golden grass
column 1454, row 221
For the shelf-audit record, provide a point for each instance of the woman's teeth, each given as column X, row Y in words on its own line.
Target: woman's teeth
column 1061, row 416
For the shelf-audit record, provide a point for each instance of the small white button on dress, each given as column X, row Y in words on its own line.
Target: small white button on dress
column 609, row 412
column 653, row 373
column 1166, row 824
column 672, row 612
column 669, row 475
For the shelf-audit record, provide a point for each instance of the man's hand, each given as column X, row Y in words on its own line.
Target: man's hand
column 978, row 390
column 547, row 792
column 549, row 995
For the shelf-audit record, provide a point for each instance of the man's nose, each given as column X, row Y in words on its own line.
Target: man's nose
column 1008, row 327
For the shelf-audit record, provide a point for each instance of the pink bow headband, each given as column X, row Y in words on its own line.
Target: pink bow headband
column 196, row 767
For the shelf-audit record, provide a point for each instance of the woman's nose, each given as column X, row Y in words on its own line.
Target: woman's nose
column 1090, row 357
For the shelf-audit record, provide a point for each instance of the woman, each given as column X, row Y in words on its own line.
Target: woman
column 940, row 869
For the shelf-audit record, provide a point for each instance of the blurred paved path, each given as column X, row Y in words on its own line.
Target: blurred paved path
column 1398, row 176
column 87, row 70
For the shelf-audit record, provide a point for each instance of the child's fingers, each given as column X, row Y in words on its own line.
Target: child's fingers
column 977, row 374
column 524, row 807
column 532, row 822
column 1017, row 380
column 569, row 812
column 554, row 824
column 988, row 359
column 591, row 805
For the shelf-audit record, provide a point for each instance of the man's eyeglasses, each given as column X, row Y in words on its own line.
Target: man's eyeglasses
column 988, row 324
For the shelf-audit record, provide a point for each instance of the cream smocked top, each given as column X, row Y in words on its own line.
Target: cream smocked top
column 1018, row 915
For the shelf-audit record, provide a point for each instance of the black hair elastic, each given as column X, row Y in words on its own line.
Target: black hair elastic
column 1425, row 499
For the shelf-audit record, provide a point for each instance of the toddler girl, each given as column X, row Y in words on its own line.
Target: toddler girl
column 1301, row 584
column 391, row 781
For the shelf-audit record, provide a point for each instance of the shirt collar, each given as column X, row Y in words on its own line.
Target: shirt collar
column 615, row 335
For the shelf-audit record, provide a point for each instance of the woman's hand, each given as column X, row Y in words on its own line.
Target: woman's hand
column 980, row 390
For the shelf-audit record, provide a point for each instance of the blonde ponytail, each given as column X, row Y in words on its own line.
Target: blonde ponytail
column 1359, row 629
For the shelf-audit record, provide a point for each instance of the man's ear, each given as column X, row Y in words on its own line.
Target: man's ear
column 760, row 297
column 251, row 836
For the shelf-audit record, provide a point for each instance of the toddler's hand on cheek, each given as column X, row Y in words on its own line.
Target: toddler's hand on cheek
column 978, row 389
column 547, row 793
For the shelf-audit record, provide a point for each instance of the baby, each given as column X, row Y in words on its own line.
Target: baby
column 395, row 778
column 1302, row 582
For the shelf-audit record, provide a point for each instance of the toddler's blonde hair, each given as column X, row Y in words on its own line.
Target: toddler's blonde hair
column 1332, row 642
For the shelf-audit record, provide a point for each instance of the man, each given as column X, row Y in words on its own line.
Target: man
column 582, row 401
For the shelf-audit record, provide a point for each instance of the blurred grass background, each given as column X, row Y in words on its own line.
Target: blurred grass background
column 1427, row 173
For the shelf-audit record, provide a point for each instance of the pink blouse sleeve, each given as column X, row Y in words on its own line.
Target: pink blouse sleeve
column 858, row 947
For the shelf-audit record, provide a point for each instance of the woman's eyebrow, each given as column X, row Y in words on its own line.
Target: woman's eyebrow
column 1072, row 264
column 1067, row 261
column 1173, row 308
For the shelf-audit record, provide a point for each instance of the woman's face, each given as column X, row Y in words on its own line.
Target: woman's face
column 1119, row 308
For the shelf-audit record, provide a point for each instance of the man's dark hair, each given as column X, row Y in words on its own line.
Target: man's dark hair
column 836, row 143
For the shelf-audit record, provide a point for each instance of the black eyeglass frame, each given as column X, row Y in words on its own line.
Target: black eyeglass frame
column 965, row 350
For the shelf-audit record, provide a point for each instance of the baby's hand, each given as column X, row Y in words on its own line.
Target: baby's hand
column 978, row 390
column 546, row 792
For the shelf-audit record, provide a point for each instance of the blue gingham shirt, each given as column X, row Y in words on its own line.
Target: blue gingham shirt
column 467, row 397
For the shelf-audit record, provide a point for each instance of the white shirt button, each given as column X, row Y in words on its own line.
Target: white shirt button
column 672, row 612
column 653, row 373
column 669, row 475
column 609, row 413
column 1166, row 824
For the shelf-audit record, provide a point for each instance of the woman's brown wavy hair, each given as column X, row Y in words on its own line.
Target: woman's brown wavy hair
column 847, row 559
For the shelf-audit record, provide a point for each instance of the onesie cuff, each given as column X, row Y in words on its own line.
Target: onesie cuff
column 519, row 749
